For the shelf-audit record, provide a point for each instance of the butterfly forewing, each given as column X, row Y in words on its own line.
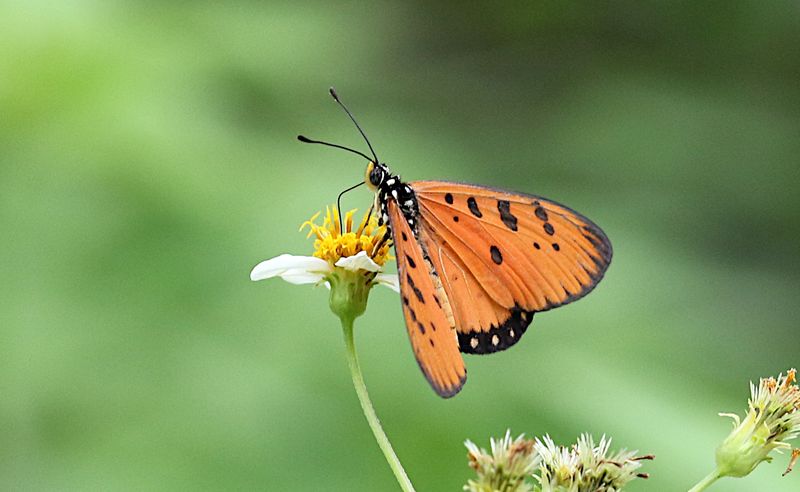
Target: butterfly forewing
column 543, row 254
column 430, row 329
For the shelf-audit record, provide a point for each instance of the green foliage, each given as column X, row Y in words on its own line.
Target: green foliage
column 148, row 161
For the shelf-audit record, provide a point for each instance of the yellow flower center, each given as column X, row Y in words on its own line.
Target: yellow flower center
column 332, row 242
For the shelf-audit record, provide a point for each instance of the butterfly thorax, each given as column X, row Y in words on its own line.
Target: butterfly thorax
column 391, row 187
column 394, row 189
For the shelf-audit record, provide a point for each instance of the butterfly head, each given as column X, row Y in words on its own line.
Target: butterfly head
column 375, row 175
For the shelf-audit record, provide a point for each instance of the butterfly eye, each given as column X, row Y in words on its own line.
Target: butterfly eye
column 375, row 175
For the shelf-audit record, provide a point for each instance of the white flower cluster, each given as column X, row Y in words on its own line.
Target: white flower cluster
column 581, row 467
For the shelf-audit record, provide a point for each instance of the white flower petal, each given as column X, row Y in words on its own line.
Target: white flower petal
column 280, row 265
column 390, row 280
column 297, row 277
column 361, row 261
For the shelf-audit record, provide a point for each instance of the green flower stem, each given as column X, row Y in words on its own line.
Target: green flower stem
column 706, row 482
column 369, row 411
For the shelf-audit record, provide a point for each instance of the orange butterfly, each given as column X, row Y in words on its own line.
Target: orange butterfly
column 476, row 263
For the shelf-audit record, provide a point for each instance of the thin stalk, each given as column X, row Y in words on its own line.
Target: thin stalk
column 704, row 483
column 369, row 411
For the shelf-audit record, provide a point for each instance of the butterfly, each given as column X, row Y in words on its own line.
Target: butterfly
column 476, row 263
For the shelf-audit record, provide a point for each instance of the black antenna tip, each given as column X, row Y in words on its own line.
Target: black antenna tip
column 303, row 139
column 334, row 94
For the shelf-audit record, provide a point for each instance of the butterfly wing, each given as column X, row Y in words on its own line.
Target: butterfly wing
column 502, row 256
column 430, row 329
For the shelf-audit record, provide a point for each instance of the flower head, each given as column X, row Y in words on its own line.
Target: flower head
column 347, row 260
column 772, row 419
column 582, row 467
column 585, row 467
column 506, row 468
column 333, row 243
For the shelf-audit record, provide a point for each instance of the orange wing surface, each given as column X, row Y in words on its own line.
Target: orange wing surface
column 502, row 256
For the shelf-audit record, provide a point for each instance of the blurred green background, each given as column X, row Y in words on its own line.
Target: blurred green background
column 148, row 160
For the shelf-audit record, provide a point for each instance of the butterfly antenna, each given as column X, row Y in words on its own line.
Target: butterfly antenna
column 339, row 201
column 305, row 139
column 336, row 98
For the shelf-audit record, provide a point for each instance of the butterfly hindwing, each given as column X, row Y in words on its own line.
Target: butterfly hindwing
column 425, row 305
column 483, row 325
column 503, row 256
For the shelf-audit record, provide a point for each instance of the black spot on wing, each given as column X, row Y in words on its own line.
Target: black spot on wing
column 448, row 198
column 548, row 228
column 411, row 262
column 540, row 212
column 473, row 207
column 498, row 337
column 504, row 207
column 416, row 290
column 496, row 256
